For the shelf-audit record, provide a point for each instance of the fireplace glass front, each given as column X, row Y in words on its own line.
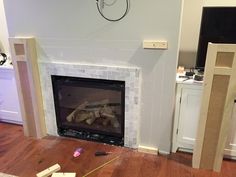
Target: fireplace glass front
column 90, row 109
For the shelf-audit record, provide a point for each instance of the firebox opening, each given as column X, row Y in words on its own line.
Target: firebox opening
column 90, row 109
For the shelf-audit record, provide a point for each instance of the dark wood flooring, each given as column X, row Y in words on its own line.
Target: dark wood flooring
column 25, row 157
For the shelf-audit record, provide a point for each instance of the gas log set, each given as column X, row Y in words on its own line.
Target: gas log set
column 101, row 112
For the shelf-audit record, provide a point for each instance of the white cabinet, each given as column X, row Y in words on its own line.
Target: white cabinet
column 187, row 110
column 9, row 103
column 230, row 148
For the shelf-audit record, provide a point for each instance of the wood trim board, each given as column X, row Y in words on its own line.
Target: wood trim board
column 219, row 92
column 24, row 59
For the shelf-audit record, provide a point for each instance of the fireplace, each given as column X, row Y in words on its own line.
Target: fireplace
column 129, row 75
column 90, row 109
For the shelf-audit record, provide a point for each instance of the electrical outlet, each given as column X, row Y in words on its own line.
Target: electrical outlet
column 155, row 44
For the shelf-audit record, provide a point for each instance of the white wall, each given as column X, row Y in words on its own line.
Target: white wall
column 73, row 31
column 4, row 45
column 219, row 3
column 190, row 27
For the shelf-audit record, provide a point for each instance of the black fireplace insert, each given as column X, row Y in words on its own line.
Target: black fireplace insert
column 90, row 109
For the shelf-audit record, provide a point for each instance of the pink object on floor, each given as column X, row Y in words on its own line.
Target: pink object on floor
column 77, row 152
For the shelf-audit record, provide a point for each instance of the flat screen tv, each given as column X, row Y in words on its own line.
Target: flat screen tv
column 218, row 25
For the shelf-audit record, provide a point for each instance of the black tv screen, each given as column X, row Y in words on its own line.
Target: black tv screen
column 218, row 25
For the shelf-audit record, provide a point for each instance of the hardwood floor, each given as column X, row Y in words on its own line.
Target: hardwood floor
column 25, row 157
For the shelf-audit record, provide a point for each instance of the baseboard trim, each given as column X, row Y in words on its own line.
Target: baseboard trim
column 164, row 152
column 148, row 150
column 11, row 121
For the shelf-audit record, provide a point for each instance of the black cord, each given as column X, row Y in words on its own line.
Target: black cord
column 4, row 58
column 114, row 20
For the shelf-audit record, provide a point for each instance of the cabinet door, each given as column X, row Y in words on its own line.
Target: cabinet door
column 230, row 148
column 9, row 104
column 189, row 116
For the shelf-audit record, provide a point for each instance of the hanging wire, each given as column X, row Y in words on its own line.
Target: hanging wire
column 111, row 4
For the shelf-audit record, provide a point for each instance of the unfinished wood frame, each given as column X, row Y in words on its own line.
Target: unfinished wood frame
column 24, row 59
column 49, row 171
column 64, row 175
column 219, row 92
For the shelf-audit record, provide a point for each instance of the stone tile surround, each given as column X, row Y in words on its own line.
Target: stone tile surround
column 131, row 76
